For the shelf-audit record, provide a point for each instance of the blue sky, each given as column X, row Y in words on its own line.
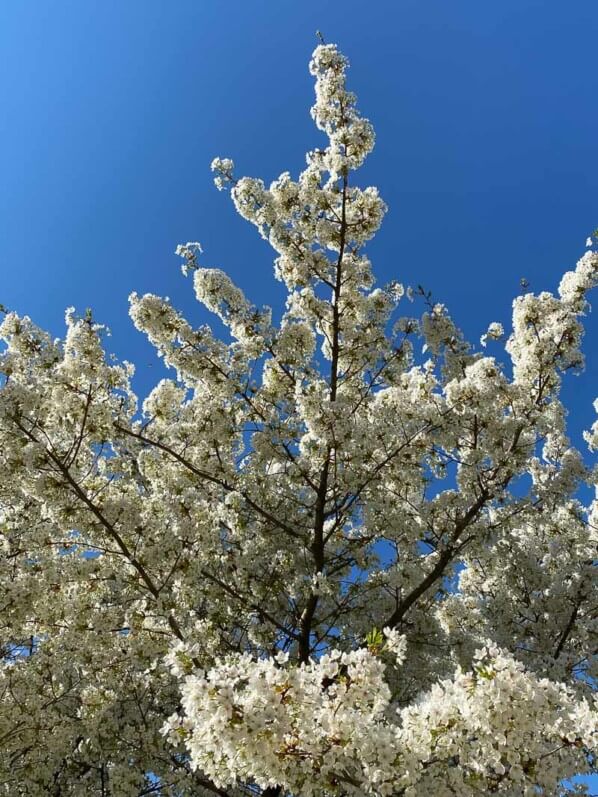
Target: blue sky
column 486, row 117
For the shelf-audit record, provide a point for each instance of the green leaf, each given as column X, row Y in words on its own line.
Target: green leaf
column 374, row 640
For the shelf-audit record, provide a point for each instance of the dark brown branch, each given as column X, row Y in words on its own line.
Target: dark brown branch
column 210, row 478
column 568, row 628
column 253, row 606
column 319, row 542
column 442, row 563
column 106, row 524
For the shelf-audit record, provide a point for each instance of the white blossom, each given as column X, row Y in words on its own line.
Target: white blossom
column 495, row 331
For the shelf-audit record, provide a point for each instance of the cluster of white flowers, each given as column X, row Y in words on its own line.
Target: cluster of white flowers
column 351, row 137
column 495, row 331
column 396, row 643
column 191, row 593
column 189, row 252
column 592, row 436
column 223, row 167
column 327, row 726
column 271, row 723
column 547, row 331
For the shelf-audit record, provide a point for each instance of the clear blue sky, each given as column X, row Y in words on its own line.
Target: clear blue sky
column 486, row 115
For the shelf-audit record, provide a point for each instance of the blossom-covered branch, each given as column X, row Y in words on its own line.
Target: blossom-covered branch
column 340, row 554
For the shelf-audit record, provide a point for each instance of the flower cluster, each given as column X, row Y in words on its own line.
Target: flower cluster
column 327, row 727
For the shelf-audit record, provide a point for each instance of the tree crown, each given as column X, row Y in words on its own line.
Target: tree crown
column 343, row 554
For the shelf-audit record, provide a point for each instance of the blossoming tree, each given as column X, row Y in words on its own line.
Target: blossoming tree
column 317, row 561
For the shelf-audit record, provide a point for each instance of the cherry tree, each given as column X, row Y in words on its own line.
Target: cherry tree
column 339, row 554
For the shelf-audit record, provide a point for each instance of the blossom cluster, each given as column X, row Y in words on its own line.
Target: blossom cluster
column 328, row 726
